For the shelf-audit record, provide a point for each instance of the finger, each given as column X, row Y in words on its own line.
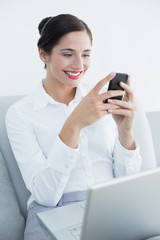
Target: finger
column 109, row 106
column 128, row 90
column 102, row 82
column 122, row 104
column 123, row 112
column 111, row 93
column 129, row 80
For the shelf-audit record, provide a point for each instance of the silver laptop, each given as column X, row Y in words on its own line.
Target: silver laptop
column 126, row 208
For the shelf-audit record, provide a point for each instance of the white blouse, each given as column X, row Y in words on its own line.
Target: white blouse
column 50, row 168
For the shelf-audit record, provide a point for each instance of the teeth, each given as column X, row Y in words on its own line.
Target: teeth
column 73, row 74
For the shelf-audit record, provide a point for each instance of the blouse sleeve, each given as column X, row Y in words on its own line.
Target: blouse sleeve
column 126, row 162
column 45, row 178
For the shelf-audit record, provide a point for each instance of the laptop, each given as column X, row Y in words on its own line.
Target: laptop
column 126, row 208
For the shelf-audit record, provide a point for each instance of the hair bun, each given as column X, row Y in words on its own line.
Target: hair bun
column 42, row 24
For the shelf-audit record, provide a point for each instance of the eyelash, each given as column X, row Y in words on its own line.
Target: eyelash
column 69, row 55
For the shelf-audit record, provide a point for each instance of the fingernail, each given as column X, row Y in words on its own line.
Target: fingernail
column 110, row 100
column 122, row 83
column 110, row 111
column 112, row 74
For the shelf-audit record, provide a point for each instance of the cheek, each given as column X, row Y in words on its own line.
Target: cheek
column 57, row 64
column 61, row 63
column 87, row 64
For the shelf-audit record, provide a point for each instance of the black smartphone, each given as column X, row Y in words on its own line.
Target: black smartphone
column 114, row 84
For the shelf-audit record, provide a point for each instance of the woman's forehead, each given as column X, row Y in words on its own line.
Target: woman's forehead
column 74, row 39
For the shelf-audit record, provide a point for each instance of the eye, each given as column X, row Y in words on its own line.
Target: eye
column 67, row 54
column 86, row 55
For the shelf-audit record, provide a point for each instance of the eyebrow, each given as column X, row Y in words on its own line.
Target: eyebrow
column 72, row 50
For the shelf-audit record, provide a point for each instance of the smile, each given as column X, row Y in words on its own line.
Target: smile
column 73, row 74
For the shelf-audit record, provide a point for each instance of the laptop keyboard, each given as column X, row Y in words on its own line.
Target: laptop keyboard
column 75, row 230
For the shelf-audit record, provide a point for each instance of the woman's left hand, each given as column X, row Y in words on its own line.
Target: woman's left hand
column 124, row 115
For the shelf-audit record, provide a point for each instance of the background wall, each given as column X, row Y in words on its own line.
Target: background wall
column 126, row 39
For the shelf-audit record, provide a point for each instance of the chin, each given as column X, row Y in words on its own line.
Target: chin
column 73, row 83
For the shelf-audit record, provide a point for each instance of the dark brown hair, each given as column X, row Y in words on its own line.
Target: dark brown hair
column 52, row 29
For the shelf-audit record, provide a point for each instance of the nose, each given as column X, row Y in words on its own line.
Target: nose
column 77, row 63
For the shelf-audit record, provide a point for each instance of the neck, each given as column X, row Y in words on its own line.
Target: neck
column 58, row 91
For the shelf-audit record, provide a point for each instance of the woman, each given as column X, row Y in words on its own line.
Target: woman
column 64, row 139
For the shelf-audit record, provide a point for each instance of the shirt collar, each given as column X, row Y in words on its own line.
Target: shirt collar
column 42, row 98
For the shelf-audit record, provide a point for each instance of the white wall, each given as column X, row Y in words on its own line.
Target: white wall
column 126, row 39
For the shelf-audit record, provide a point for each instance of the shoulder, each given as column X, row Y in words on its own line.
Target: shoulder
column 22, row 105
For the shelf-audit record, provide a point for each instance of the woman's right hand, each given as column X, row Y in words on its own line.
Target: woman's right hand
column 92, row 106
column 88, row 111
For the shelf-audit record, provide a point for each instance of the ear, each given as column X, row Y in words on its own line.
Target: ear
column 42, row 55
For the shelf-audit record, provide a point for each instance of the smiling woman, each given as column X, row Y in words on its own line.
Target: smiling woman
column 63, row 137
column 62, row 24
column 65, row 64
column 65, row 52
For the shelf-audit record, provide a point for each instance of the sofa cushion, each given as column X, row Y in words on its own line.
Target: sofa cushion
column 21, row 191
column 154, row 120
column 12, row 222
column 143, row 135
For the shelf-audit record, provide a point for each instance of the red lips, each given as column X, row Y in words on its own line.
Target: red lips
column 73, row 77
